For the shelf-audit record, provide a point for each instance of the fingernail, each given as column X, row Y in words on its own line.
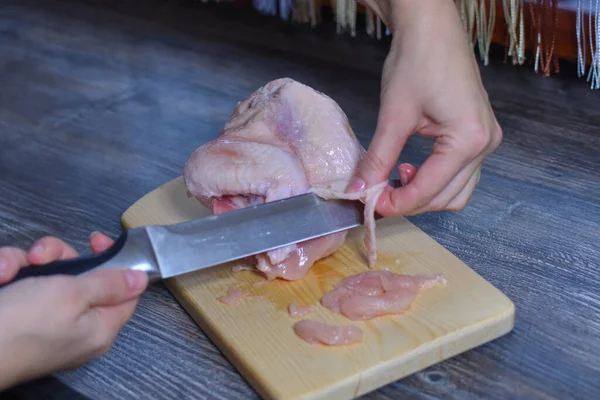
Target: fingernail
column 356, row 185
column 93, row 233
column 37, row 249
column 403, row 177
column 135, row 279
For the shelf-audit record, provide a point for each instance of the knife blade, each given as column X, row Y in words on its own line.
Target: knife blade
column 166, row 251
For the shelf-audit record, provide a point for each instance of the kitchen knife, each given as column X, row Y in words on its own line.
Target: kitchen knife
column 165, row 251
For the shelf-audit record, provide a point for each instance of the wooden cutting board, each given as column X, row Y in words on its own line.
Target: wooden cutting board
column 257, row 336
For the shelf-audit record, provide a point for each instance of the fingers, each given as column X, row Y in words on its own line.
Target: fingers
column 441, row 177
column 43, row 251
column 451, row 191
column 100, row 242
column 11, row 260
column 407, row 173
column 453, row 198
column 394, row 126
column 461, row 200
column 49, row 249
column 116, row 317
column 105, row 323
column 433, row 176
column 119, row 315
column 111, row 286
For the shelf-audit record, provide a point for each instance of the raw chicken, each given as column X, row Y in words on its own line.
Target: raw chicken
column 319, row 332
column 375, row 293
column 369, row 197
column 234, row 296
column 286, row 139
column 299, row 311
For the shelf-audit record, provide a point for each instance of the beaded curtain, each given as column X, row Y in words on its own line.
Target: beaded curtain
column 529, row 24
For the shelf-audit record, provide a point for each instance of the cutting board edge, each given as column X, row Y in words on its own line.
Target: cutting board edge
column 461, row 341
column 168, row 183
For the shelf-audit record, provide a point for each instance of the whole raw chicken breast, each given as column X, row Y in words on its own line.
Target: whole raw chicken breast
column 286, row 139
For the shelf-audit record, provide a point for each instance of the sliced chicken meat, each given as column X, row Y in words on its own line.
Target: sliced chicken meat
column 314, row 332
column 286, row 139
column 234, row 296
column 299, row 311
column 375, row 293
column 369, row 197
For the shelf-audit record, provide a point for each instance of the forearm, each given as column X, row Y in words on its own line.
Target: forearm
column 401, row 15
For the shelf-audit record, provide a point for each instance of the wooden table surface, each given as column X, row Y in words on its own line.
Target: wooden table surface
column 101, row 102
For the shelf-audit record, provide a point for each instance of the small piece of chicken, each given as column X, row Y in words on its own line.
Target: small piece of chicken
column 376, row 293
column 286, row 139
column 234, row 296
column 299, row 311
column 314, row 332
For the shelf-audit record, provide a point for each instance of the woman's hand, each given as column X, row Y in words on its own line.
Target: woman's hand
column 60, row 322
column 430, row 85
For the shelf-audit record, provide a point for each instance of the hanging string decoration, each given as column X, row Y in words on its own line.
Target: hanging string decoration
column 543, row 30
column 515, row 25
column 530, row 27
column 306, row 11
column 594, row 42
column 478, row 21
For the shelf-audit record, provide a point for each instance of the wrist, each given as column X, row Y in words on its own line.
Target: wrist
column 402, row 15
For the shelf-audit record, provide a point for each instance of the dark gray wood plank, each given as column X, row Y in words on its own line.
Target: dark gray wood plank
column 101, row 102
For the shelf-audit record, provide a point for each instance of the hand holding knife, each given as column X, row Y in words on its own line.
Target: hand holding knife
column 165, row 251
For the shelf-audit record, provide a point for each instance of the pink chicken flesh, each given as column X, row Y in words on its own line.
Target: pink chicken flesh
column 299, row 311
column 286, row 139
column 375, row 293
column 314, row 332
column 234, row 296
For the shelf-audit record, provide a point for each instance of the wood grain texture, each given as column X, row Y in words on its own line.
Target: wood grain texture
column 257, row 336
column 101, row 102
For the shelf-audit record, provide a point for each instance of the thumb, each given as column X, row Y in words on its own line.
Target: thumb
column 107, row 287
column 394, row 126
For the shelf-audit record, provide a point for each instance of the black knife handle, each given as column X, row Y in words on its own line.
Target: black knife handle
column 74, row 266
